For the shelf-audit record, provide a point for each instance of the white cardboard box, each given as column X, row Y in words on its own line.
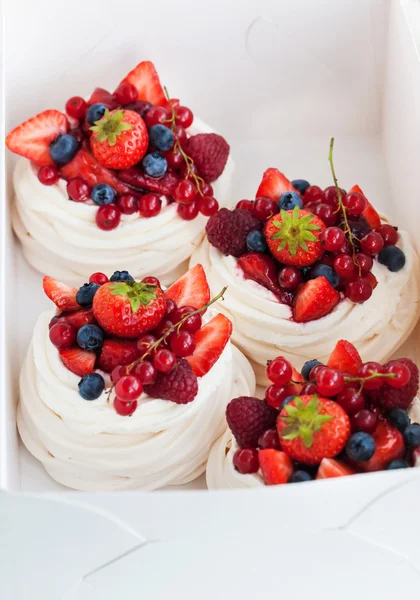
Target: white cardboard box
column 277, row 78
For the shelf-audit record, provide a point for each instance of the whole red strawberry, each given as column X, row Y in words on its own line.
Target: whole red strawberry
column 248, row 418
column 128, row 309
column 293, row 237
column 387, row 397
column 180, row 385
column 209, row 152
column 227, row 230
column 120, row 139
column 311, row 428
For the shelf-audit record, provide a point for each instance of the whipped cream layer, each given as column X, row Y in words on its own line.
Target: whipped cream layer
column 221, row 473
column 88, row 446
column 263, row 328
column 60, row 237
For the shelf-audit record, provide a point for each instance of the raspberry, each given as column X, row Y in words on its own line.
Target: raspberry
column 227, row 230
column 388, row 397
column 209, row 152
column 249, row 418
column 179, row 385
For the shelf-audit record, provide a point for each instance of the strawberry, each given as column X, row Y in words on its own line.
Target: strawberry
column 85, row 165
column 117, row 352
column 78, row 361
column 191, row 289
column 293, row 237
column 79, row 318
column 32, row 138
column 345, row 358
column 311, row 428
column 370, row 214
column 211, row 340
column 209, row 152
column 63, row 296
column 136, row 178
column 331, row 467
column 314, row 299
column 146, row 80
column 120, row 139
column 276, row 466
column 294, row 389
column 274, row 184
column 260, row 268
column 101, row 96
column 389, row 445
column 127, row 308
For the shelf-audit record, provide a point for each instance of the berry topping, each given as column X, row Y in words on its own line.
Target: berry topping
column 364, row 420
column 210, row 340
column 108, row 217
column 78, row 318
column 32, row 138
column 164, row 360
column 76, row 107
column 121, row 276
column 102, row 193
column 260, row 268
column 360, row 446
column 91, row 386
column 288, row 201
column 63, row 296
column 128, row 203
column 255, row 241
column 345, row 358
column 90, row 337
column 154, row 165
column 269, row 439
column 314, row 299
column 180, row 385
column 299, row 476
column 322, row 270
column 128, row 309
column 125, row 93
column 392, row 257
column 312, row 428
column 249, row 418
column 63, row 149
column 116, row 353
column 290, row 278
column 301, row 185
column 263, row 208
column 329, row 382
column 137, row 179
column 124, row 409
column 48, row 175
column 246, row 461
column 331, row 467
column 276, row 466
column 62, row 334
column 78, row 190
column 399, row 418
column 389, row 445
column 119, row 139
column 208, row 206
column 85, row 294
column 210, row 152
column 146, row 81
column 308, row 366
column 294, row 237
column 78, row 361
column 85, row 165
column 191, row 289
column 412, row 435
column 128, row 388
column 399, row 463
column 161, row 137
column 388, row 397
column 389, row 234
column 369, row 213
column 227, row 230
column 95, row 112
column 351, row 401
column 279, row 371
column 273, row 185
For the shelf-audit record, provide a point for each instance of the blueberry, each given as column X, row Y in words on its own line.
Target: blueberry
column 85, row 294
column 399, row 418
column 305, row 271
column 360, row 446
column 301, row 185
column 161, row 137
column 412, row 435
column 308, row 366
column 90, row 337
column 398, row 463
column 95, row 112
column 91, row 386
column 63, row 149
column 154, row 164
column 392, row 257
column 299, row 476
column 286, row 401
column 289, row 200
column 102, row 193
column 121, row 276
column 328, row 272
column 255, row 241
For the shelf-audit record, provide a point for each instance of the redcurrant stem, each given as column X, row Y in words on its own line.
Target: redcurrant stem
column 341, row 206
column 199, row 181
column 168, row 332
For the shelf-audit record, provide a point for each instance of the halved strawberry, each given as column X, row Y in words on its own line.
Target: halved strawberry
column 32, row 138
column 369, row 213
column 294, row 389
column 79, row 318
column 331, row 467
column 260, row 268
column 102, row 96
column 211, row 340
column 389, row 445
column 191, row 289
column 345, row 358
column 145, row 79
column 78, row 361
column 137, row 179
column 275, row 465
column 274, row 184
column 85, row 165
column 314, row 299
column 117, row 352
column 63, row 296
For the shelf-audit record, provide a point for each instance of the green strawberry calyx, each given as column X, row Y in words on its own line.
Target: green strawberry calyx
column 303, row 420
column 110, row 126
column 139, row 294
column 294, row 231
